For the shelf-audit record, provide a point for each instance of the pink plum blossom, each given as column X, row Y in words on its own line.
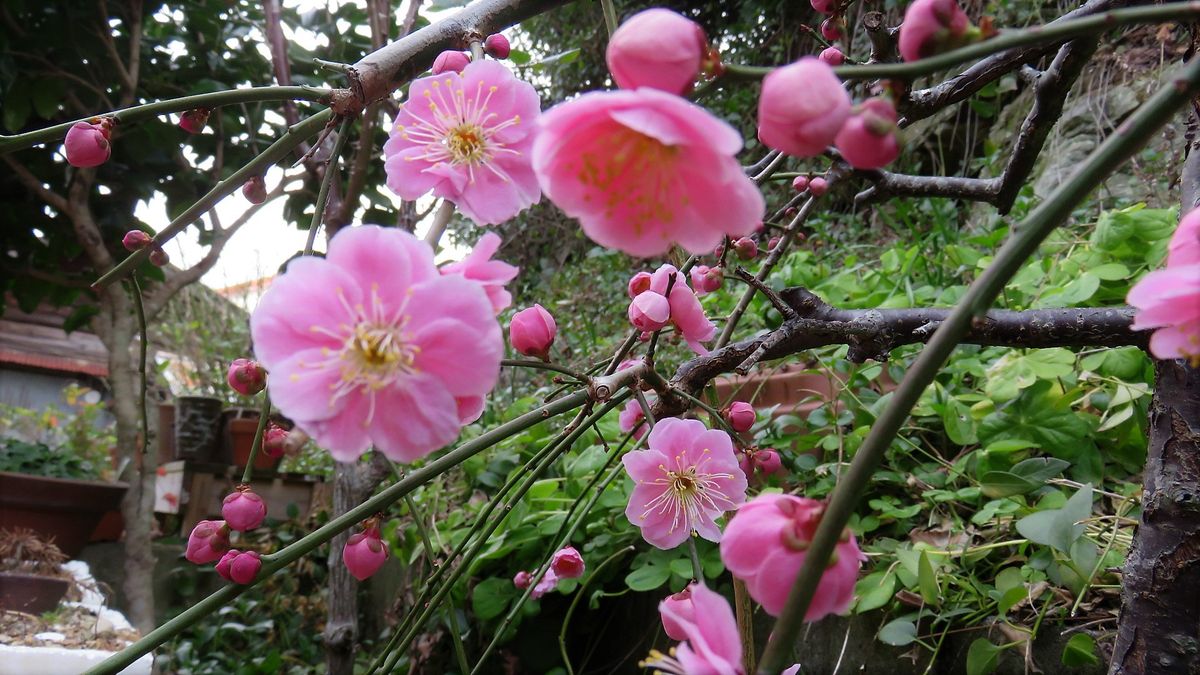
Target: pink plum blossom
column 450, row 61
column 746, row 248
column 932, row 26
column 532, row 332
column 706, row 279
column 566, row 563
column 800, row 183
column 638, row 283
column 243, row 510
column 274, row 442
column 740, row 415
column 632, row 417
column 825, row 6
column 657, row 48
column 492, row 274
column 1184, row 248
column 710, row 644
column 801, row 108
column 159, row 257
column 246, row 377
column 135, row 240
column 818, row 186
column 687, row 314
column 868, row 140
column 794, row 670
column 643, row 170
column 240, row 567
column 371, row 345
column 467, row 137
column 193, row 121
column 832, row 56
column 255, row 190
column 759, row 464
column 547, row 584
column 686, row 479
column 208, row 541
column 87, row 143
column 1168, row 301
column 364, row 553
column 522, row 580
column 765, row 544
column 497, row 46
column 831, row 29
column 649, row 311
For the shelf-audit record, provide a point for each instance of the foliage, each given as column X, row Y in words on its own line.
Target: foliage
column 74, row 443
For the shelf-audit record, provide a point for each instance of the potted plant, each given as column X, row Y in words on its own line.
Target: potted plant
column 31, row 575
column 56, row 469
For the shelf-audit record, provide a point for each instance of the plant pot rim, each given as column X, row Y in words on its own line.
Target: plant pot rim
column 204, row 397
column 64, row 481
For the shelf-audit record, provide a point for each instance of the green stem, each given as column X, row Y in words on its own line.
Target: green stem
column 579, row 593
column 264, row 415
column 455, row 633
column 522, row 489
column 277, row 561
column 1059, row 31
column 1128, row 139
column 142, row 350
column 610, row 16
column 331, row 170
column 697, row 568
column 138, row 113
column 293, row 137
column 542, row 365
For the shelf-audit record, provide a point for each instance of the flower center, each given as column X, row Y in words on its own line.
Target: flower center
column 689, row 493
column 375, row 353
column 466, row 143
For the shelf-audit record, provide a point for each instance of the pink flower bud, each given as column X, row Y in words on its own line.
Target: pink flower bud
column 87, row 144
column 159, row 257
column 868, row 139
column 931, row 27
column 800, row 183
column 450, row 60
column 274, row 442
column 243, row 510
column 522, row 580
column 246, row 377
column 657, row 48
column 825, row 6
column 818, row 186
column 628, row 363
column 638, row 283
column 746, row 248
column 768, row 461
column 135, row 240
column 547, row 584
column 240, row 567
column 776, row 529
column 496, row 46
column 208, row 541
column 630, row 419
column 567, row 563
column 833, row 56
column 740, row 416
column 707, row 279
column 255, row 190
column 676, row 610
column 364, row 553
column 193, row 121
column 773, row 243
column 532, row 331
column 831, row 29
column 801, row 108
column 719, row 250
column 649, row 311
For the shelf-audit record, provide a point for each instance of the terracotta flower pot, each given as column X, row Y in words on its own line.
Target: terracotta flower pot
column 65, row 510
column 30, row 593
column 239, row 438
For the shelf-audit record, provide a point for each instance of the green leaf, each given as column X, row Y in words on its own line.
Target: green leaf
column 898, row 633
column 1023, row 478
column 491, row 597
column 558, row 59
column 960, row 426
column 874, row 591
column 648, row 578
column 982, row 657
column 1080, row 650
column 80, row 317
column 1057, row 528
column 518, row 57
column 927, row 580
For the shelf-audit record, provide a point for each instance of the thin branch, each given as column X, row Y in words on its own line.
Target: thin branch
column 31, row 183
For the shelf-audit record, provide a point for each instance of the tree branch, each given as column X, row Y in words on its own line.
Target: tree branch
column 31, row 183
column 874, row 333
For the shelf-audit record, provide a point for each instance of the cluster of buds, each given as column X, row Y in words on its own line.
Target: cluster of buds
column 566, row 563
column 454, row 61
column 135, row 240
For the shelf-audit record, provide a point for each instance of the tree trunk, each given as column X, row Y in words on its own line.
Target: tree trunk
column 1159, row 629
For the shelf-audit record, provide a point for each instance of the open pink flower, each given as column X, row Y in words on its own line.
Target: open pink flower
column 493, row 275
column 371, row 345
column 710, row 642
column 467, row 137
column 547, row 584
column 686, row 478
column 687, row 314
column 567, row 563
column 932, row 26
column 656, row 48
column 643, row 170
column 765, row 544
column 801, row 108
column 1169, row 301
column 1185, row 243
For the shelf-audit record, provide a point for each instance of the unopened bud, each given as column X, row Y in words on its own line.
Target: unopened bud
column 135, row 240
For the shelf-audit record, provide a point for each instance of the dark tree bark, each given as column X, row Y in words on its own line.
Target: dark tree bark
column 1159, row 629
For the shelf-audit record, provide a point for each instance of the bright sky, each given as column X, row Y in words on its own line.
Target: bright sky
column 266, row 240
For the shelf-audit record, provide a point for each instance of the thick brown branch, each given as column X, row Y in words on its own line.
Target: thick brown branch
column 874, row 333
column 31, row 183
column 888, row 185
